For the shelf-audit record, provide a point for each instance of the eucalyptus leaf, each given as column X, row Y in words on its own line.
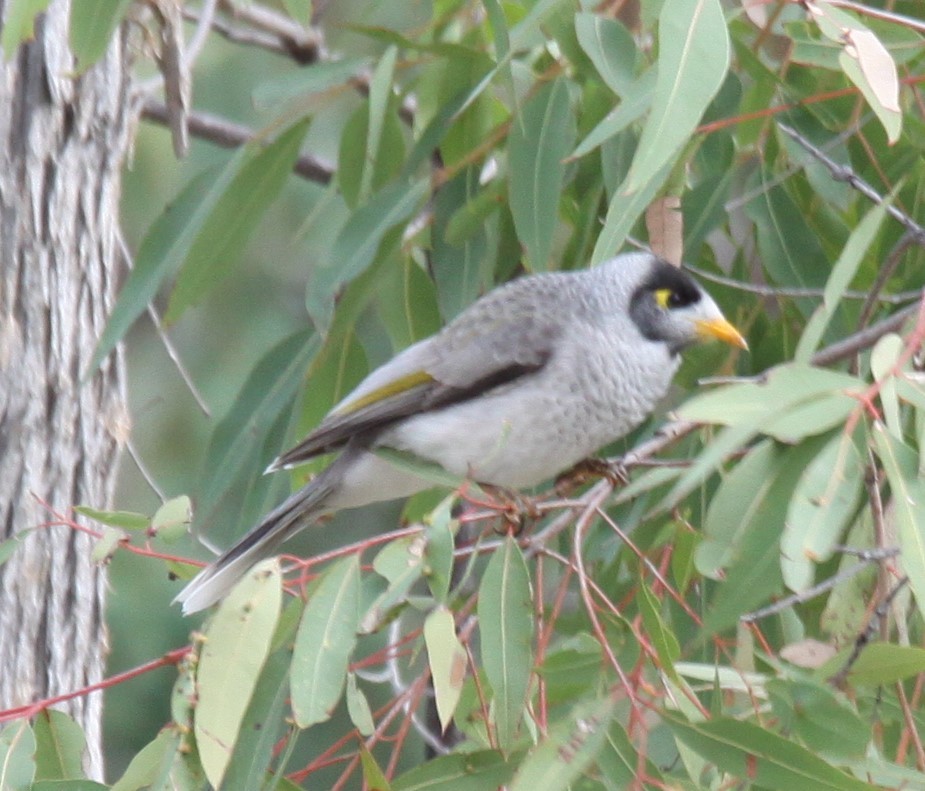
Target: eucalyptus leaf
column 325, row 642
column 693, row 59
column 538, row 144
column 747, row 751
column 238, row 640
column 505, row 611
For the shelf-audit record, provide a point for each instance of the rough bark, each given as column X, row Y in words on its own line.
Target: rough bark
column 63, row 139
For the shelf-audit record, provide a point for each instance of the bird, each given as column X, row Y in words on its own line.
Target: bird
column 535, row 376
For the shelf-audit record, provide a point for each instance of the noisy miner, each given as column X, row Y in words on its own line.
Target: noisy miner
column 532, row 378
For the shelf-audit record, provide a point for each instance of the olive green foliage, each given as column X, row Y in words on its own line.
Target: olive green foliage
column 617, row 640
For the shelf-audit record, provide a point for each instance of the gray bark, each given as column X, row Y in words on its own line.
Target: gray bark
column 63, row 139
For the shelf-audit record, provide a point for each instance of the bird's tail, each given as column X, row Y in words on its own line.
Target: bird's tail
column 294, row 513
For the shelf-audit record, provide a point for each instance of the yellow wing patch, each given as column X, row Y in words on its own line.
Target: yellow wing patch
column 401, row 385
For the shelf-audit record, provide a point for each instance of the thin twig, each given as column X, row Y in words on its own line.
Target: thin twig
column 204, row 23
column 171, row 350
column 886, row 271
column 793, row 168
column 863, row 339
column 178, row 363
column 143, row 469
column 846, row 174
column 774, row 291
column 817, row 590
column 228, row 134
column 305, row 45
column 581, row 526
column 879, row 13
column 867, row 635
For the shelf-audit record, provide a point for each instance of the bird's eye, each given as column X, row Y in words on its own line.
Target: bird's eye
column 667, row 298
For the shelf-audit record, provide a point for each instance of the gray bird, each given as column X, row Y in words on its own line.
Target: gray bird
column 531, row 379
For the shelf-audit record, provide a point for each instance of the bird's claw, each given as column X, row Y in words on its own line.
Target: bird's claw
column 613, row 471
column 515, row 508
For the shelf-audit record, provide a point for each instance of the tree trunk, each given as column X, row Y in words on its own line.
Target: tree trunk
column 63, row 139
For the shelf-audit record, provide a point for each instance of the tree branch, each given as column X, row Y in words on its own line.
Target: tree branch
column 231, row 135
column 846, row 174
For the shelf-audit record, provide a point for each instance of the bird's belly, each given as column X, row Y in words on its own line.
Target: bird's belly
column 517, row 440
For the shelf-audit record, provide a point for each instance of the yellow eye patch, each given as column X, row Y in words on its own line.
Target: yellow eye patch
column 663, row 296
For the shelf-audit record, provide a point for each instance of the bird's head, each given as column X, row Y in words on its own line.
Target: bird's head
column 668, row 305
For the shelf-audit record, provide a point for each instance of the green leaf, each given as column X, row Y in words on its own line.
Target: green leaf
column 752, row 559
column 306, row 82
column 901, row 466
column 611, row 48
column 92, row 25
column 461, row 263
column 251, row 181
column 637, row 100
column 163, row 248
column 505, row 612
column 790, row 402
column 619, row 762
column 447, row 660
column 380, row 87
column 19, row 24
column 372, row 148
column 840, row 278
column 407, row 303
column 438, row 552
column 261, row 727
column 789, row 247
column 17, row 765
column 401, row 563
column 818, row 718
column 477, row 771
column 232, row 468
column 540, row 140
column 692, row 63
column 356, row 245
column 572, row 744
column 751, row 753
column 373, row 775
column 866, row 62
column 884, row 362
column 358, row 707
column 172, row 519
column 324, row 643
column 825, row 499
column 68, row 785
column 106, row 547
column 885, row 663
column 151, row 764
column 59, row 746
column 233, row 654
column 663, row 640
column 125, row 519
column 626, row 207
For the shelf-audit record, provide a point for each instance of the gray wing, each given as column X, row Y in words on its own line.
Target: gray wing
column 508, row 334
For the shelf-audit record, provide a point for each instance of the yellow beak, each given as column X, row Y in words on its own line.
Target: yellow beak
column 722, row 330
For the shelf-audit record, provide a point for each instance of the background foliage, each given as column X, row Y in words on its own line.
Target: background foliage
column 390, row 163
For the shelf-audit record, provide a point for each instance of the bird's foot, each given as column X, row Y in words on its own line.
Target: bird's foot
column 516, row 509
column 591, row 468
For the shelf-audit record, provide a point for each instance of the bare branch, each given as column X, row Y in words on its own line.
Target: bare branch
column 846, row 174
column 865, row 338
column 844, row 575
column 228, row 134
column 775, row 291
column 304, row 45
